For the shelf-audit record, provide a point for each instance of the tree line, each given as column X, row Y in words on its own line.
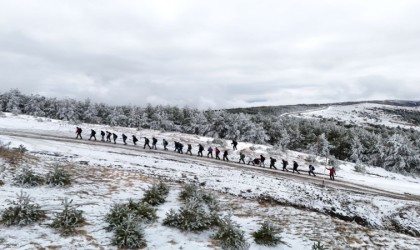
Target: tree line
column 395, row 149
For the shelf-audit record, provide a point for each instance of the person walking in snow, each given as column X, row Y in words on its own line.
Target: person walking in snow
column 78, row 133
column 165, row 144
column 285, row 163
column 180, row 147
column 262, row 160
column 217, row 153
column 272, row 163
column 200, row 150
column 114, row 136
column 176, row 146
column 295, row 167
column 234, row 143
column 210, row 152
column 135, row 140
column 108, row 136
column 154, row 142
column 124, row 137
column 255, row 161
column 92, row 134
column 189, row 148
column 332, row 173
column 311, row 170
column 102, row 135
column 225, row 155
column 241, row 158
column 146, row 143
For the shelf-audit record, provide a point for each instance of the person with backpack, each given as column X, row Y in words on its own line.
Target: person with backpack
column 180, row 148
column 108, row 136
column 114, row 136
column 332, row 173
column 295, row 167
column 154, row 142
column 272, row 163
column 311, row 170
column 146, row 143
column 200, row 150
column 210, row 152
column 225, row 155
column 255, row 161
column 124, row 137
column 92, row 134
column 285, row 163
column 189, row 148
column 165, row 144
column 262, row 159
column 176, row 146
column 135, row 140
column 102, row 135
column 78, row 133
column 234, row 143
column 241, row 157
column 217, row 153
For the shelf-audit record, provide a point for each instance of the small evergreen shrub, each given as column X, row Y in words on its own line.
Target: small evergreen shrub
column 318, row 246
column 144, row 211
column 22, row 211
column 267, row 235
column 28, row 178
column 194, row 216
column 230, row 236
column 129, row 233
column 156, row 194
column 58, row 177
column 21, row 149
column 116, row 216
column 360, row 168
column 69, row 219
column 188, row 190
column 1, row 183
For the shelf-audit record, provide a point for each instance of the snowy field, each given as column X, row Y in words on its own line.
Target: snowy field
column 364, row 113
column 105, row 173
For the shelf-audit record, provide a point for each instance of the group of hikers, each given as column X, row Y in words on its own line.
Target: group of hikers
column 106, row 136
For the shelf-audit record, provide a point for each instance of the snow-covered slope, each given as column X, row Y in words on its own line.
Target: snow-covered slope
column 106, row 173
column 364, row 113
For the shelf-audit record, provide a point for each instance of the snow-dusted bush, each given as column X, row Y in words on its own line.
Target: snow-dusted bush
column 156, row 194
column 69, row 219
column 318, row 246
column 406, row 221
column 230, row 236
column 21, row 149
column 144, row 211
column 267, row 235
column 58, row 176
column 194, row 216
column 1, row 182
column 218, row 141
column 129, row 233
column 360, row 168
column 141, row 211
column 28, row 178
column 187, row 191
column 116, row 215
column 22, row 211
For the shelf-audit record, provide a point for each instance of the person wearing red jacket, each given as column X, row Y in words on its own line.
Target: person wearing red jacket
column 332, row 173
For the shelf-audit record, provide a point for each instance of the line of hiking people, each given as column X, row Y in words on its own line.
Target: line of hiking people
column 179, row 147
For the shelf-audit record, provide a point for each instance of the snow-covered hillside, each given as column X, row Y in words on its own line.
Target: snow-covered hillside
column 305, row 209
column 364, row 113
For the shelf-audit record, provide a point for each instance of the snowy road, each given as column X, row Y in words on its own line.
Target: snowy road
column 135, row 150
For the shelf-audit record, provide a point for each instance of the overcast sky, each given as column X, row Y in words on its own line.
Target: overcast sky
column 212, row 54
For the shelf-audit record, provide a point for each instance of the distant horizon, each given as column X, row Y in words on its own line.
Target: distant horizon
column 296, row 104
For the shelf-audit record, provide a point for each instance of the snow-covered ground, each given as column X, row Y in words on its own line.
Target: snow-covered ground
column 106, row 173
column 364, row 113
